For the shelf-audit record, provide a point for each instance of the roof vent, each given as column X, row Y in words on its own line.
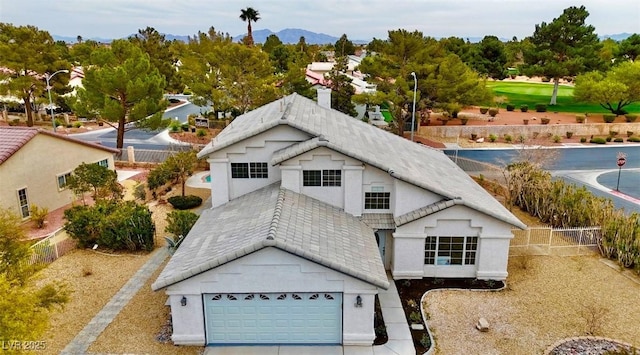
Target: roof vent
column 390, row 171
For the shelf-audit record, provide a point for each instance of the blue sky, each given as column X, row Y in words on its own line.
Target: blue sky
column 358, row 19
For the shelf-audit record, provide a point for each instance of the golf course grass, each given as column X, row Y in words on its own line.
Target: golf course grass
column 519, row 93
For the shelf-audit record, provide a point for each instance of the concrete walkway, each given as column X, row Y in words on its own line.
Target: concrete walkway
column 400, row 341
column 80, row 344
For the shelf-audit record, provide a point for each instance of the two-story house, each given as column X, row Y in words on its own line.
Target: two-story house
column 309, row 208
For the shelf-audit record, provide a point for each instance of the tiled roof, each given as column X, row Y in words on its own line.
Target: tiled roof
column 279, row 218
column 379, row 220
column 425, row 211
column 14, row 138
column 413, row 163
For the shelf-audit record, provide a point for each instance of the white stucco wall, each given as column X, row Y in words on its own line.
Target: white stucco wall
column 492, row 253
column 265, row 271
column 258, row 148
column 410, row 198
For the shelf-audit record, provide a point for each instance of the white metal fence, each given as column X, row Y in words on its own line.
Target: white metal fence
column 555, row 241
column 52, row 247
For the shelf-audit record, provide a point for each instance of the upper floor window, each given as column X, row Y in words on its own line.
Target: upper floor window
column 450, row 250
column 104, row 162
column 377, row 200
column 62, row 180
column 23, row 200
column 249, row 170
column 321, row 178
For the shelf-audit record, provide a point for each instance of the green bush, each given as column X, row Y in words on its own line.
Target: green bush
column 583, row 139
column 608, row 139
column 484, row 110
column 619, row 140
column 77, row 124
column 524, row 108
column 179, row 223
column 58, row 123
column 557, row 139
column 493, row 112
column 598, row 140
column 633, row 139
column 492, row 138
column 608, row 118
column 185, row 202
column 114, row 225
column 569, row 135
column 630, row 117
column 580, row 118
column 508, row 138
column 201, row 133
column 175, row 126
column 511, row 107
column 541, row 108
column 140, row 192
column 39, row 215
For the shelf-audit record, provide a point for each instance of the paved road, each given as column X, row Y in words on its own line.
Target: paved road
column 592, row 167
column 143, row 139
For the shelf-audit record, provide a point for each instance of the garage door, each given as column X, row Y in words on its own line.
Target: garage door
column 273, row 318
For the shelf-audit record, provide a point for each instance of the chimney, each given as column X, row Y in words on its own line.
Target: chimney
column 324, row 97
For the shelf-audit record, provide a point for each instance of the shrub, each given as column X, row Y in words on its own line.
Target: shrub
column 179, row 223
column 484, row 110
column 633, row 139
column 14, row 122
column 58, row 123
column 175, row 126
column 630, row 118
column 608, row 118
column 524, row 108
column 77, row 124
column 580, row 118
column 608, row 139
column 618, row 140
column 629, row 133
column 493, row 112
column 492, row 138
column 508, row 138
column 545, row 79
column 453, row 109
column 541, row 108
column 598, row 140
column 185, row 202
column 545, row 120
column 511, row 107
column 613, row 133
column 415, row 317
column 583, row 139
column 557, row 139
column 83, row 223
column 201, row 133
column 569, row 135
column 140, row 192
column 39, row 215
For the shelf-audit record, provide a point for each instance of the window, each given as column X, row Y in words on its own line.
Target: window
column 321, row 178
column 24, row 202
column 249, row 170
column 104, row 163
column 258, row 170
column 450, row 250
column 376, row 200
column 62, row 180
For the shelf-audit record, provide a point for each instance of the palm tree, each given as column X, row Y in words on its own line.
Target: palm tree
column 248, row 15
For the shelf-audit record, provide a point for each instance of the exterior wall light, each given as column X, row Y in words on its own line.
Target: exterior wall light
column 183, row 301
column 358, row 301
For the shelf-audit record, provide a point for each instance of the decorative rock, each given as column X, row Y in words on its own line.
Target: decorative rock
column 480, row 140
column 483, row 325
column 417, row 326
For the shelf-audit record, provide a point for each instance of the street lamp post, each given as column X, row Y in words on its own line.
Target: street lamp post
column 413, row 114
column 48, row 77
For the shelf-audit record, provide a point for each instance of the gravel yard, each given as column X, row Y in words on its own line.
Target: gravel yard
column 547, row 298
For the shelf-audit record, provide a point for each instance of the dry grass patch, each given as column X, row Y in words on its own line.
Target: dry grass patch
column 549, row 299
column 136, row 326
column 93, row 278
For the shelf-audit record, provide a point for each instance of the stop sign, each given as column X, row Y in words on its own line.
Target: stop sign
column 621, row 161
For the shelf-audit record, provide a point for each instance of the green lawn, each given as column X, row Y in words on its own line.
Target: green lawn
column 531, row 94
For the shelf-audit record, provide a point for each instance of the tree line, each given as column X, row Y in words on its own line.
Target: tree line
column 125, row 81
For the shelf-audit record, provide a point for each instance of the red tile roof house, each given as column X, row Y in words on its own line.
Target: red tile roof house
column 34, row 166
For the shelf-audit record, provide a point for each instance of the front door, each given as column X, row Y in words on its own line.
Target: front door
column 381, row 239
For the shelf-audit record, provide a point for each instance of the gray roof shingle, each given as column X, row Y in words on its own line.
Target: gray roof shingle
column 379, row 220
column 280, row 218
column 416, row 164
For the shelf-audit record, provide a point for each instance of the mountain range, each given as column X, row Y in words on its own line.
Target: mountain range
column 292, row 36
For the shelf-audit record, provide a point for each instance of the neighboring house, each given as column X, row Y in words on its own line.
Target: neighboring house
column 309, row 207
column 34, row 166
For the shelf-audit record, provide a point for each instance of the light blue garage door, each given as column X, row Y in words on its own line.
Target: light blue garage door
column 273, row 318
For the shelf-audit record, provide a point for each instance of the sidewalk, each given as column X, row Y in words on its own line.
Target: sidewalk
column 81, row 343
